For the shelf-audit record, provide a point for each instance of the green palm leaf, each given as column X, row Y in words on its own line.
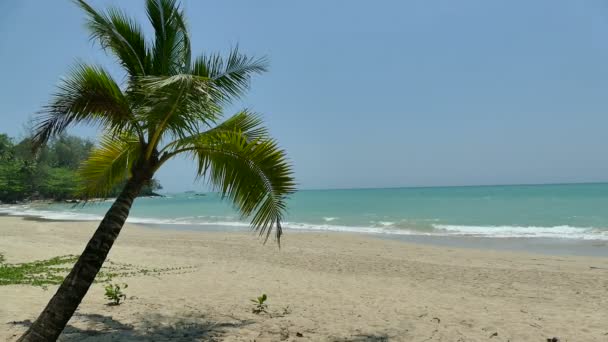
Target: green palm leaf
column 108, row 164
column 89, row 95
column 177, row 106
column 254, row 174
column 120, row 35
column 171, row 52
column 247, row 123
column 233, row 74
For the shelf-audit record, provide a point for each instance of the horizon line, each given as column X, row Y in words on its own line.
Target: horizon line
column 429, row 186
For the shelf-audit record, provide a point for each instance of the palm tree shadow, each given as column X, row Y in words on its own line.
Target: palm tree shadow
column 149, row 329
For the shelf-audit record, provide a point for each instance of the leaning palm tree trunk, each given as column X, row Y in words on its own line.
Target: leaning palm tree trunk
column 60, row 309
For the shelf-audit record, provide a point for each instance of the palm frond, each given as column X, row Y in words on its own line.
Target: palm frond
column 88, row 94
column 254, row 174
column 244, row 122
column 231, row 75
column 121, row 35
column 108, row 164
column 248, row 123
column 171, row 49
column 178, row 105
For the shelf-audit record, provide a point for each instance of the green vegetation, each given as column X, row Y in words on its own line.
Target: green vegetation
column 52, row 173
column 259, row 304
column 52, row 271
column 114, row 293
column 37, row 273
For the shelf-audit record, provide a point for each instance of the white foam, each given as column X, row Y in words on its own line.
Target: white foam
column 187, row 222
column 379, row 227
column 353, row 229
column 24, row 210
column 561, row 232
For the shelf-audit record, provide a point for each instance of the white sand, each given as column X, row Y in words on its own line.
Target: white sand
column 338, row 287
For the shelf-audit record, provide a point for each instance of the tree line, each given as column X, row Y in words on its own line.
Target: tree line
column 51, row 173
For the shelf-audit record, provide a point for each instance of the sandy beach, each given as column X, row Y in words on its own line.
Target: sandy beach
column 321, row 287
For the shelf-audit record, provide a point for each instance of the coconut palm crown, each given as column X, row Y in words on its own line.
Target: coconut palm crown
column 169, row 105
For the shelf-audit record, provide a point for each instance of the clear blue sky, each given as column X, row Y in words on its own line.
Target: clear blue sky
column 375, row 93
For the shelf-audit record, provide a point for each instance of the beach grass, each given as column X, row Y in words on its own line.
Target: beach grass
column 52, row 271
column 37, row 273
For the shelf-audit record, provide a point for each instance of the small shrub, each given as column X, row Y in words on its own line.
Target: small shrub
column 114, row 293
column 259, row 304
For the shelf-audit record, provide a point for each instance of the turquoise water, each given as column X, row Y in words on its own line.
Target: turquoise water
column 570, row 211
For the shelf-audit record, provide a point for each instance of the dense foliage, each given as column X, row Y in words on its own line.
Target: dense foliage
column 50, row 174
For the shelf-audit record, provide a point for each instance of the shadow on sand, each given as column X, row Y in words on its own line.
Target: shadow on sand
column 153, row 328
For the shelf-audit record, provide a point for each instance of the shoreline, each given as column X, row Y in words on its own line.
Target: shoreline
column 325, row 286
column 534, row 245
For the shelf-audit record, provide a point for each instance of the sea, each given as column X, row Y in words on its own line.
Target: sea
column 537, row 213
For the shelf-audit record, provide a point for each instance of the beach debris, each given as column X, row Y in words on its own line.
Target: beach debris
column 436, row 319
column 495, row 334
column 598, row 268
column 286, row 310
column 284, row 333
column 299, row 334
column 25, row 323
column 553, row 339
column 466, row 323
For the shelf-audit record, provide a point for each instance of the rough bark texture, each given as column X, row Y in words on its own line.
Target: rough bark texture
column 62, row 306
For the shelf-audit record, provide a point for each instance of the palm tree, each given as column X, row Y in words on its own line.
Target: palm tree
column 168, row 105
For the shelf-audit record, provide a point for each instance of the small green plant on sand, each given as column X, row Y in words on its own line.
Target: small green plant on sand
column 114, row 293
column 259, row 304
